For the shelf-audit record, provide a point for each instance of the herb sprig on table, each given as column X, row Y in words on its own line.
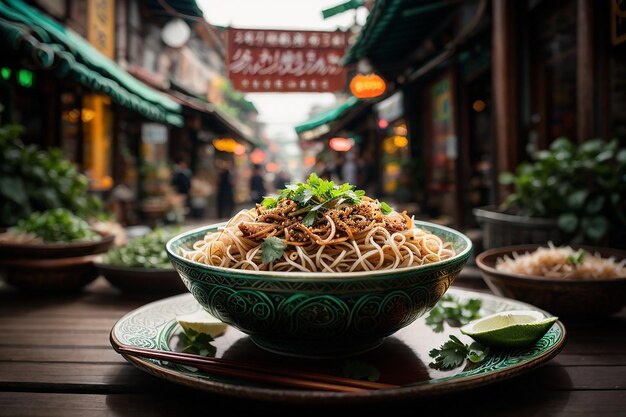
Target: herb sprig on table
column 454, row 312
column 453, row 353
column 197, row 343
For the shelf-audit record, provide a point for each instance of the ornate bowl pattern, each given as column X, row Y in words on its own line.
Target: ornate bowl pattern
column 319, row 314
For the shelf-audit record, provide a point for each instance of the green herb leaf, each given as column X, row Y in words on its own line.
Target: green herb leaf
column 385, row 208
column 453, row 353
column 309, row 219
column 455, row 313
column 197, row 343
column 450, row 355
column 269, row 202
column 318, row 195
column 577, row 258
column 272, row 249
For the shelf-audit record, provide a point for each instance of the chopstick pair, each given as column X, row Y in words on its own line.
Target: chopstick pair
column 258, row 373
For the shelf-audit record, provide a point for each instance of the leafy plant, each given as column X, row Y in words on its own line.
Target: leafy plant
column 56, row 225
column 33, row 180
column 146, row 251
column 453, row 353
column 582, row 186
column 455, row 313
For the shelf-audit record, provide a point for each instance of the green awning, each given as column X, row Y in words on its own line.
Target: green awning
column 187, row 9
column 326, row 117
column 394, row 28
column 57, row 48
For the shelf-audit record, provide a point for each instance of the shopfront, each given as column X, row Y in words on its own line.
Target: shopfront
column 68, row 93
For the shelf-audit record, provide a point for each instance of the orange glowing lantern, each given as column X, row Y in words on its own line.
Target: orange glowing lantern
column 367, row 86
column 340, row 144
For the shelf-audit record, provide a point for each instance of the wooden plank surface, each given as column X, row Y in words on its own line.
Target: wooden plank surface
column 560, row 403
column 56, row 360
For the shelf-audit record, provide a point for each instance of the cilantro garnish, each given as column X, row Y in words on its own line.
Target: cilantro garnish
column 272, row 249
column 455, row 313
column 269, row 202
column 197, row 343
column 577, row 258
column 385, row 208
column 453, row 353
column 315, row 196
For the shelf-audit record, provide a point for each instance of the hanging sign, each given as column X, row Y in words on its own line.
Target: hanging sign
column 367, row 86
column 286, row 60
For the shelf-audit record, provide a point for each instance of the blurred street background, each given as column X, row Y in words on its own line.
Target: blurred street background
column 184, row 111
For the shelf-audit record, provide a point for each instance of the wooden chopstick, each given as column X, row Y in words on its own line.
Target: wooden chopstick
column 257, row 372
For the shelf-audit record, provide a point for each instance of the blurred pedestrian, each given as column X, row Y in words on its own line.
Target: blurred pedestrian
column 225, row 192
column 257, row 185
column 281, row 180
column 181, row 179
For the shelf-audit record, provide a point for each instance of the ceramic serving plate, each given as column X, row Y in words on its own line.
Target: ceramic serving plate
column 401, row 360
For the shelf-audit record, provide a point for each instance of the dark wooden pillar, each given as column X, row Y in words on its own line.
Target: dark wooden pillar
column 585, row 71
column 505, row 87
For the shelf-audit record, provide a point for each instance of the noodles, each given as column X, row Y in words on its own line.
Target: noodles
column 344, row 237
column 562, row 262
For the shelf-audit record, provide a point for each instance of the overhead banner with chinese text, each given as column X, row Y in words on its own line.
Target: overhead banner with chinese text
column 286, row 60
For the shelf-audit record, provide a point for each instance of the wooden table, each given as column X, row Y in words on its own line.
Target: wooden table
column 56, row 360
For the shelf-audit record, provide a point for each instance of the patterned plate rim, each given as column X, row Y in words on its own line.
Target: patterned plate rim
column 430, row 388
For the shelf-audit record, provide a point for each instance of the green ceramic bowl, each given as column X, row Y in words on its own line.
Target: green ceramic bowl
column 319, row 314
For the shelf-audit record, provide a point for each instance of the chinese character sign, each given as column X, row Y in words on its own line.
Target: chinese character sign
column 286, row 60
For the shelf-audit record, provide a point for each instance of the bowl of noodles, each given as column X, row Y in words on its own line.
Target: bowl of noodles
column 564, row 280
column 333, row 283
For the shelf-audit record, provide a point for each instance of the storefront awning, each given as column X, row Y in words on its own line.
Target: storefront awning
column 393, row 27
column 186, row 9
column 233, row 126
column 318, row 125
column 56, row 48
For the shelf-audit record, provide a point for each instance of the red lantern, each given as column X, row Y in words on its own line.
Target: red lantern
column 367, row 86
column 257, row 156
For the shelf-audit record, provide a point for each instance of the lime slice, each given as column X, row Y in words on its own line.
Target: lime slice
column 507, row 329
column 202, row 322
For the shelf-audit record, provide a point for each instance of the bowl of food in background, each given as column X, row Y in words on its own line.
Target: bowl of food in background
column 141, row 264
column 319, row 271
column 51, row 250
column 564, row 280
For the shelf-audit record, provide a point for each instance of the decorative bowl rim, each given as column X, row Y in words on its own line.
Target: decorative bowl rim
column 507, row 250
column 322, row 276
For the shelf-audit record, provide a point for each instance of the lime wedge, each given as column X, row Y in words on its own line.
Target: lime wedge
column 507, row 329
column 202, row 322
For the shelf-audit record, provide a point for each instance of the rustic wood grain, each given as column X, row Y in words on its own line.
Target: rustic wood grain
column 56, row 360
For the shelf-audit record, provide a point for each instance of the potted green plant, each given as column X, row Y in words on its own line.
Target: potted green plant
column 566, row 194
column 33, row 180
